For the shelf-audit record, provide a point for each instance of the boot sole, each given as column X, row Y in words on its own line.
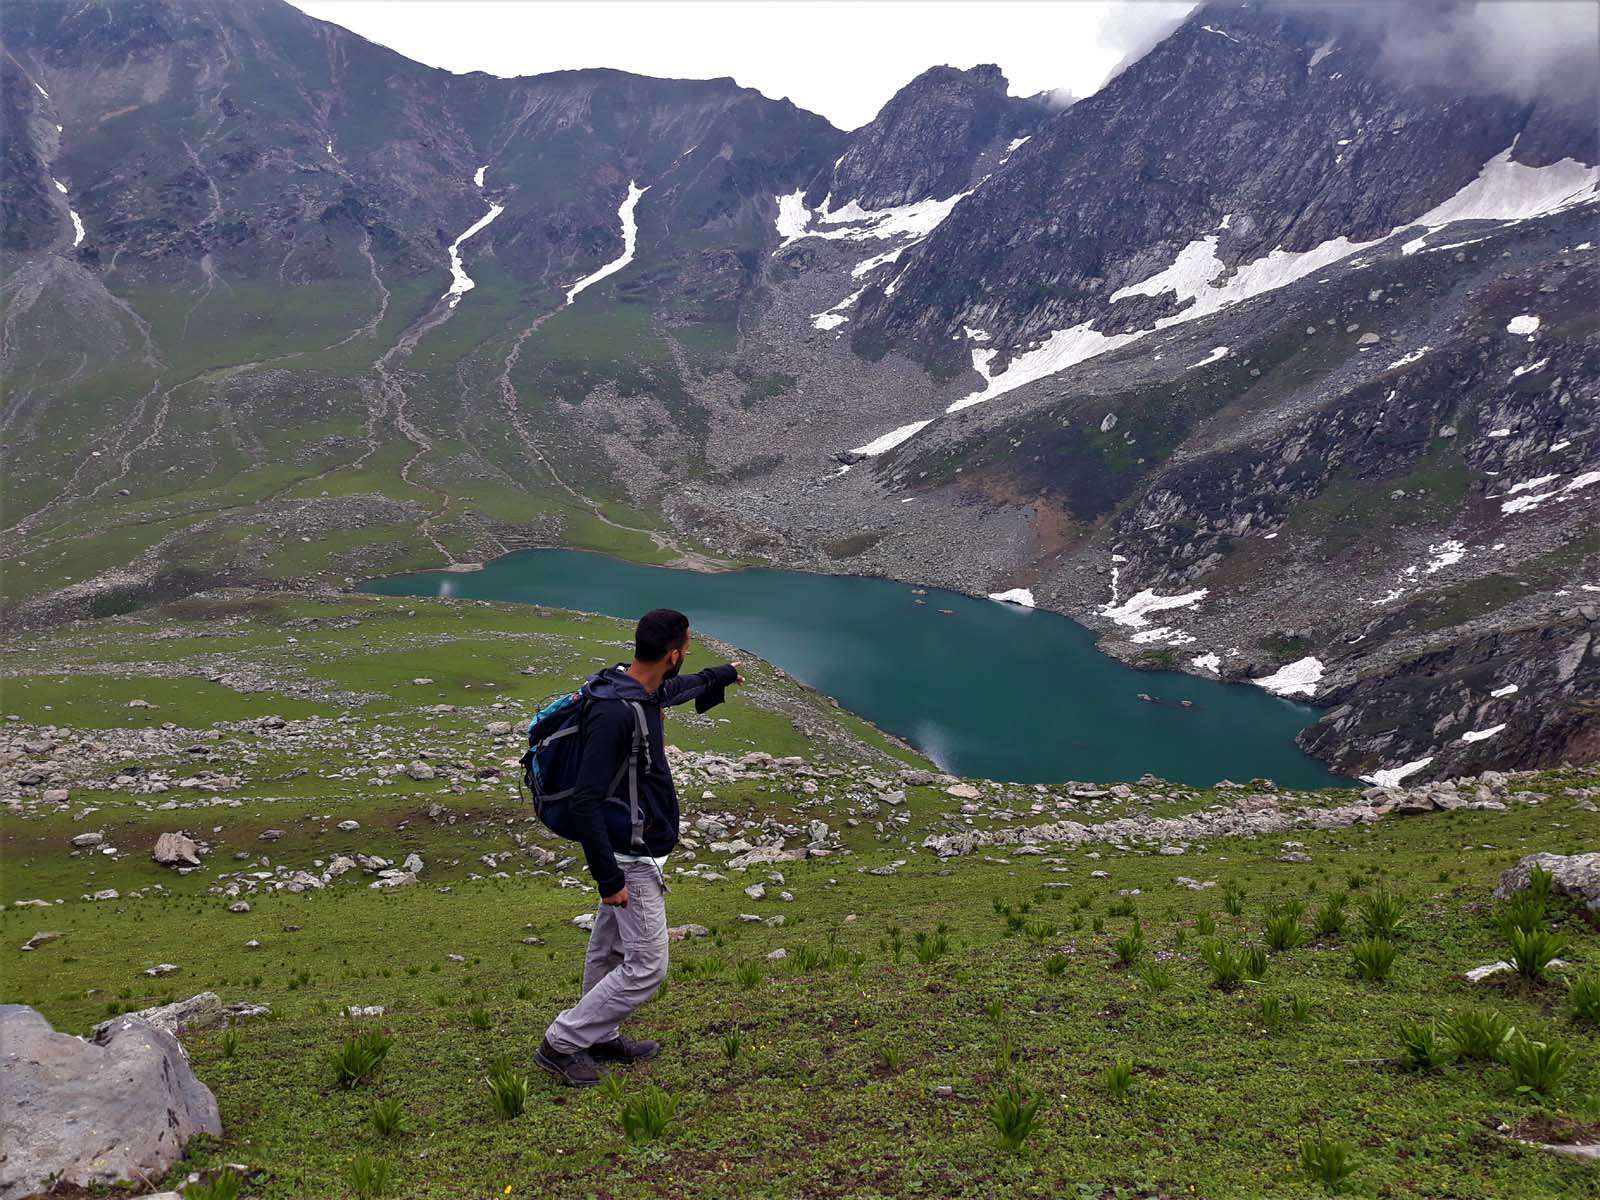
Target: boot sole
column 545, row 1064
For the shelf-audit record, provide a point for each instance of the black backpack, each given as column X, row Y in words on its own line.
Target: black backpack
column 550, row 764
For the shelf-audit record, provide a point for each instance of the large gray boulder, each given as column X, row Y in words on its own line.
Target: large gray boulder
column 201, row 1011
column 118, row 1109
column 1576, row 875
column 176, row 850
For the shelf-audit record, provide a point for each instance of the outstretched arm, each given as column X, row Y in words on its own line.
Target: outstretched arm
column 706, row 687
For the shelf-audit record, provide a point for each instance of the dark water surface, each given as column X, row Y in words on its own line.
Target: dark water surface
column 990, row 690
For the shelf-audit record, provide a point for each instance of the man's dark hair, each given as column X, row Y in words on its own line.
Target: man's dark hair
column 658, row 631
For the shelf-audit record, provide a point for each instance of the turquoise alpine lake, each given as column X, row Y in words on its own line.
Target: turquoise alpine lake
column 985, row 689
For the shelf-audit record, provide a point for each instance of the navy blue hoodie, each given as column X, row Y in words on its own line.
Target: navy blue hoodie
column 603, row 829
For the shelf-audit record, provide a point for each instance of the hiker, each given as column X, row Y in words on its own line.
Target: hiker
column 626, row 853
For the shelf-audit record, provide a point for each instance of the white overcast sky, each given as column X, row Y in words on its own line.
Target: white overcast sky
column 840, row 58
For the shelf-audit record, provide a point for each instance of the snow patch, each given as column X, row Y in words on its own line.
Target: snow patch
column 40, row 86
column 1529, row 484
column 1218, row 353
column 1529, row 369
column 1208, row 662
column 1406, row 360
column 1510, row 689
column 1524, row 326
column 1391, row 776
column 60, row 187
column 832, row 318
column 1135, row 611
column 888, row 441
column 1021, row 596
column 460, row 282
column 877, row 260
column 477, row 179
column 77, row 227
column 1508, row 191
column 1320, row 53
column 1012, row 148
column 1478, row 735
column 976, row 335
column 1219, row 33
column 1445, row 554
column 1499, row 433
column 630, row 241
column 1299, row 678
column 793, row 216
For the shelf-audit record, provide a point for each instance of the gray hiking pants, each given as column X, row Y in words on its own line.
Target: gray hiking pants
column 626, row 963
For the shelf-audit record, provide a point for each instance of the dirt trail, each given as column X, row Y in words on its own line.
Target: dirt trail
column 685, row 557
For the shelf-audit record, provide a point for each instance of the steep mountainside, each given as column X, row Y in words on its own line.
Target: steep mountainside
column 1268, row 360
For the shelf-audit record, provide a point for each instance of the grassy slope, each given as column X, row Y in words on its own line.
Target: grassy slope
column 809, row 1106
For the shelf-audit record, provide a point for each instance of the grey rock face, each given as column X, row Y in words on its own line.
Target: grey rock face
column 114, row 1110
column 1576, row 875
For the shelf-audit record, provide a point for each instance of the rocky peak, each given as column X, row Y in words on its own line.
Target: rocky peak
column 927, row 139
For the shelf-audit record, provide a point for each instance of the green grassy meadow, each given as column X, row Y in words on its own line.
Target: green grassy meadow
column 867, row 1062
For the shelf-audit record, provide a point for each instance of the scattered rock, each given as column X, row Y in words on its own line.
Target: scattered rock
column 239, row 906
column 678, row 932
column 1575, row 875
column 420, row 770
column 83, row 841
column 348, row 826
column 40, row 939
column 94, row 1114
column 161, row 969
column 202, row 1011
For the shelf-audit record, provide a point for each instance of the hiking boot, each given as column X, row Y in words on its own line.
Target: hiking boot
column 622, row 1050
column 574, row 1070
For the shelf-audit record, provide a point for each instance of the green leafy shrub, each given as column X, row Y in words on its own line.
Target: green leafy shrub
column 806, row 958
column 1156, row 976
column 889, row 1056
column 1299, row 1007
column 930, row 948
column 1479, row 1033
column 508, row 1091
column 1130, row 945
column 1284, row 932
column 1382, row 913
column 1331, row 918
column 1205, row 925
column 230, row 1042
column 1056, row 964
column 1117, row 1078
column 612, row 1086
column 1524, row 911
column 646, row 1116
column 359, row 1057
column 1327, row 1161
column 1122, row 906
column 368, row 1176
column 1537, row 1068
column 1373, row 958
column 1532, row 951
column 1233, row 900
column 1423, row 1048
column 1227, row 965
column 731, row 1042
column 480, row 1019
column 748, row 975
column 1583, row 996
column 1014, row 1113
column 223, row 1186
column 387, row 1117
column 1270, row 1012
column 1255, row 961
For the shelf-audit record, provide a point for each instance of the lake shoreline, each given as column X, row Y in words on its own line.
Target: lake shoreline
column 850, row 636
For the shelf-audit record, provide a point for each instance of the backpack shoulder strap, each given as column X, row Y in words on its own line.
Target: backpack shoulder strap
column 631, row 768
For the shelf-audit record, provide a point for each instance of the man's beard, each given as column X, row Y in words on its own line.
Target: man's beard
column 672, row 672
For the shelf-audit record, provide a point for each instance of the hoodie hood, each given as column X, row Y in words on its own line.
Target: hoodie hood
column 614, row 683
